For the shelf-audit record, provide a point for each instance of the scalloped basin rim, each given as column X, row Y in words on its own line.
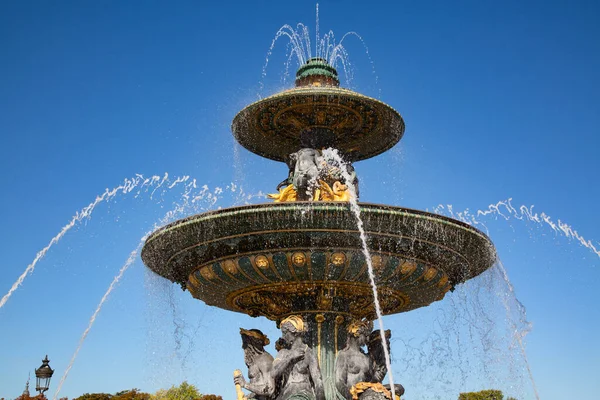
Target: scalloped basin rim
column 304, row 205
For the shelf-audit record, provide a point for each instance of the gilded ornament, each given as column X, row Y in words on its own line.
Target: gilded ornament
column 339, row 191
column 296, row 321
column 325, row 299
column 378, row 387
column 443, row 281
column 207, row 272
column 298, row 259
column 255, row 333
column 230, row 267
column 261, row 262
column 287, row 193
column 377, row 262
column 408, row 267
column 338, row 259
column 358, row 326
column 429, row 274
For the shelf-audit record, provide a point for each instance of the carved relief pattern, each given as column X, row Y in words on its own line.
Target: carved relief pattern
column 361, row 125
column 275, row 285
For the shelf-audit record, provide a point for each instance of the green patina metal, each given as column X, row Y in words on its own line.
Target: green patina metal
column 319, row 67
column 281, row 259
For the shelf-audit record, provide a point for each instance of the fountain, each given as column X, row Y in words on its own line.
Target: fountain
column 301, row 261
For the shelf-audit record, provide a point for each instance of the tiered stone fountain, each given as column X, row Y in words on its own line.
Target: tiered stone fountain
column 298, row 261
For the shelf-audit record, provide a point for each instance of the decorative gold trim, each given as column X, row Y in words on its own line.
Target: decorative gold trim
column 238, row 389
column 288, row 257
column 378, row 262
column 208, row 273
column 261, row 262
column 299, row 259
column 296, row 321
column 255, row 335
column 357, row 325
column 319, row 318
column 274, row 300
column 229, row 266
column 360, row 387
column 443, row 280
column 338, row 258
column 429, row 274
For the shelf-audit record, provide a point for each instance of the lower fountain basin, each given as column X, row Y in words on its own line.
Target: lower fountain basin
column 278, row 259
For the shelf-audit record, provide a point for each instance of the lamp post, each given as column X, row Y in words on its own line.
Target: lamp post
column 43, row 375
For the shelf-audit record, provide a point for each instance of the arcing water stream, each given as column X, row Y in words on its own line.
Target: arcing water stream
column 506, row 210
column 470, row 312
column 129, row 185
column 326, row 47
column 191, row 203
column 334, row 155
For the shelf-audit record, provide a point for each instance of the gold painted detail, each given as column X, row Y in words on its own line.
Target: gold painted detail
column 298, row 259
column 377, row 262
column 230, row 266
column 325, row 299
column 287, row 193
column 278, row 300
column 338, row 259
column 261, row 262
column 357, row 326
column 346, row 117
column 238, row 388
column 443, row 281
column 360, row 387
column 296, row 321
column 429, row 274
column 276, row 285
column 207, row 272
column 408, row 267
column 320, row 318
column 337, row 192
column 255, row 335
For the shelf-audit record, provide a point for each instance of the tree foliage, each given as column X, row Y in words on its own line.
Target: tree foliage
column 483, row 395
column 132, row 394
column 211, row 397
column 27, row 397
column 185, row 391
column 94, row 396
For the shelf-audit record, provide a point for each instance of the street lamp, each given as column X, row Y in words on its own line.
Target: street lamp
column 43, row 375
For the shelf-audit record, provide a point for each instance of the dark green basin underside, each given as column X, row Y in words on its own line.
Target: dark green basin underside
column 453, row 248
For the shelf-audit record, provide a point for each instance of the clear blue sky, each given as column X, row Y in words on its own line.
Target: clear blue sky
column 500, row 99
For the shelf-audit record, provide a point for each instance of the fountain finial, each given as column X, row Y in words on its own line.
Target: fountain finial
column 317, row 72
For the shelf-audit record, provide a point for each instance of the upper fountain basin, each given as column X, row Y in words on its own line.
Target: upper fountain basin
column 317, row 116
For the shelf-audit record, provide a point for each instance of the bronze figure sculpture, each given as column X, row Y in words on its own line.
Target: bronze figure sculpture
column 352, row 365
column 295, row 368
column 259, row 363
